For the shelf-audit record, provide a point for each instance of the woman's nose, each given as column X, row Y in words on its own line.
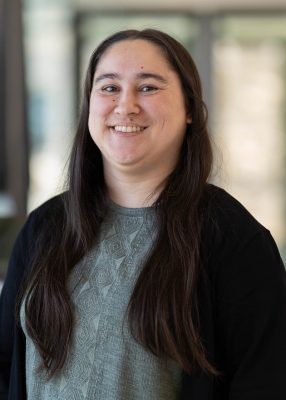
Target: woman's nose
column 127, row 103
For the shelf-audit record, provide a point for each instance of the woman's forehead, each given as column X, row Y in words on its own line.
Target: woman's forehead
column 128, row 50
column 133, row 57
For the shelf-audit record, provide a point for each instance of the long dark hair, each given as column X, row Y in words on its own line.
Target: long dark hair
column 163, row 309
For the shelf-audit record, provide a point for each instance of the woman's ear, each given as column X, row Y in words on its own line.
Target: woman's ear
column 189, row 119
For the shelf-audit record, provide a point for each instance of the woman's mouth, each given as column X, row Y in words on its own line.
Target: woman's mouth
column 127, row 128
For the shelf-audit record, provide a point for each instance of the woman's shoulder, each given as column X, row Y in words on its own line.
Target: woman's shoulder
column 38, row 226
column 227, row 225
column 43, row 219
column 49, row 207
column 227, row 213
column 54, row 206
column 236, row 248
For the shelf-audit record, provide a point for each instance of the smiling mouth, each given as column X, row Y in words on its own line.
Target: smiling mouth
column 127, row 128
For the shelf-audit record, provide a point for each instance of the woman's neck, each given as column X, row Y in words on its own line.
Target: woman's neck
column 133, row 191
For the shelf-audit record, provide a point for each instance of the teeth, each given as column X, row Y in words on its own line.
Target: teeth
column 129, row 129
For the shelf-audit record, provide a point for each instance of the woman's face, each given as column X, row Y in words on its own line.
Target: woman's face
column 137, row 115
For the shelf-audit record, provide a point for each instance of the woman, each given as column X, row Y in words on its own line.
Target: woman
column 143, row 281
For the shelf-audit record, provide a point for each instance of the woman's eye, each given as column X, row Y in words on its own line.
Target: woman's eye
column 110, row 89
column 148, row 88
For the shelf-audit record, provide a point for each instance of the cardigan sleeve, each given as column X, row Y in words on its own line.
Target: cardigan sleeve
column 250, row 320
column 11, row 336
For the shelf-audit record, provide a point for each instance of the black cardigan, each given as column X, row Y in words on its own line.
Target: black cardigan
column 242, row 296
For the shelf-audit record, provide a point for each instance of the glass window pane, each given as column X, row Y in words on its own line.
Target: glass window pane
column 249, row 114
column 49, row 64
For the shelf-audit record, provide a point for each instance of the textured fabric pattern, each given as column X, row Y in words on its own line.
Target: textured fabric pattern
column 105, row 362
column 242, row 297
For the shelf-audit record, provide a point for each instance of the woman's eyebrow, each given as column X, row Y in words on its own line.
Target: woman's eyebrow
column 106, row 76
column 140, row 75
column 146, row 75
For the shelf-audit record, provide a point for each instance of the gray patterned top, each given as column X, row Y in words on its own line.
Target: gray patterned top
column 105, row 362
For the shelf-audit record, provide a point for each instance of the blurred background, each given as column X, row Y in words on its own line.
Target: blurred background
column 239, row 47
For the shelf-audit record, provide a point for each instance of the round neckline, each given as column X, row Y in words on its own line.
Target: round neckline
column 131, row 211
